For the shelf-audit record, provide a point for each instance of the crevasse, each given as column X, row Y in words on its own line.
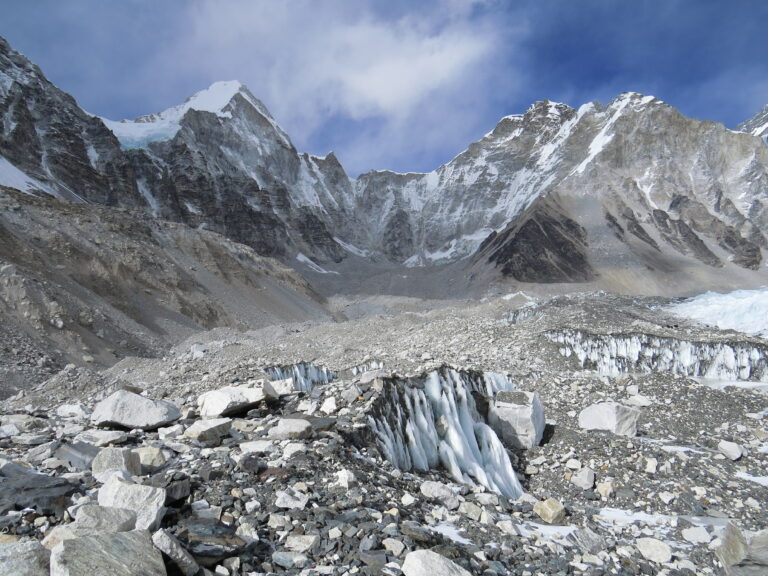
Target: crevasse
column 423, row 423
column 614, row 354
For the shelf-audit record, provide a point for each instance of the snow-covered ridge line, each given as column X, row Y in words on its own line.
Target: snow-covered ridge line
column 431, row 421
column 615, row 354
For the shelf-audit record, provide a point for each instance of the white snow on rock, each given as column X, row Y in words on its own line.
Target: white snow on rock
column 14, row 178
column 742, row 310
column 163, row 126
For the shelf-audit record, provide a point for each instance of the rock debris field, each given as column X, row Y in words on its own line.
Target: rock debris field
column 512, row 436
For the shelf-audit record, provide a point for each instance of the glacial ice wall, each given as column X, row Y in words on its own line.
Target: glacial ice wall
column 367, row 367
column 615, row 354
column 305, row 376
column 424, row 423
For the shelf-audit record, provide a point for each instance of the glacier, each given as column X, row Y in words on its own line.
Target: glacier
column 741, row 310
column 431, row 421
column 305, row 376
column 616, row 354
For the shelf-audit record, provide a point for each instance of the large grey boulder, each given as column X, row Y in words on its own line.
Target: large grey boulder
column 290, row 429
column 24, row 559
column 440, row 492
column 115, row 554
column 209, row 431
column 131, row 410
column 230, row 400
column 428, row 563
column 519, row 418
column 740, row 557
column 610, row 416
column 171, row 547
column 116, row 459
column 22, row 488
column 148, row 502
column 91, row 520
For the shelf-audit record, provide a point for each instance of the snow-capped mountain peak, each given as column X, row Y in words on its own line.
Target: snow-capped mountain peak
column 217, row 99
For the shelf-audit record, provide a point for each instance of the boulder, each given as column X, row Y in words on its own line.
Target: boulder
column 730, row 450
column 130, row 410
column 148, row 502
column 290, row 429
column 550, row 510
column 102, row 437
column 610, row 416
column 24, row 559
column 119, row 459
column 428, row 563
column 229, row 400
column 291, row 499
column 654, row 550
column 116, row 554
column 440, row 492
column 584, row 478
column 209, row 432
column 171, row 547
column 151, row 458
column 79, row 455
column 91, row 520
column 742, row 558
column 22, row 488
column 518, row 417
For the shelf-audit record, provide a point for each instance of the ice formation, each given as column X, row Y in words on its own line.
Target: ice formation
column 742, row 310
column 367, row 367
column 615, row 354
column 422, row 423
column 305, row 376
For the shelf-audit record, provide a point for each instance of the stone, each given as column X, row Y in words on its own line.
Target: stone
column 345, row 479
column 120, row 459
column 639, row 401
column 396, row 547
column 77, row 455
column 605, row 489
column 426, row 562
column 76, row 411
column 302, row 543
column 171, row 547
column 584, row 478
column 116, row 554
column 210, row 543
column 283, row 387
column 151, row 458
column 329, row 406
column 550, row 510
column 587, row 540
column 730, row 450
column 105, row 518
column 654, row 550
column 209, row 432
column 229, row 400
column 129, row 410
column 290, row 429
column 289, row 559
column 291, row 499
column 518, row 417
column 24, row 559
column 740, row 558
column 697, row 535
column 610, row 416
column 440, row 492
column 101, row 438
column 22, row 488
column 260, row 447
column 148, row 502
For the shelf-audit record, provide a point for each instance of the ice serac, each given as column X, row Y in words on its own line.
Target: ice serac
column 434, row 421
column 615, row 354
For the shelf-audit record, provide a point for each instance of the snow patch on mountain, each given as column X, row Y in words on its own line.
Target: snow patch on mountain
column 14, row 178
column 742, row 310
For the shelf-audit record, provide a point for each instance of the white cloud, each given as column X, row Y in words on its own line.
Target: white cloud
column 318, row 65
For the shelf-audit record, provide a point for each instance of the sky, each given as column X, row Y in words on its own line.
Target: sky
column 397, row 84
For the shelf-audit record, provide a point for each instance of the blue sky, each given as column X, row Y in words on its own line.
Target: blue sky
column 397, row 84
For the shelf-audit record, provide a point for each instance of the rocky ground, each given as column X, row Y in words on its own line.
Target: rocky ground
column 209, row 459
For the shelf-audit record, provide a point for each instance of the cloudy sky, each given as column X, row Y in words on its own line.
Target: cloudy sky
column 397, row 84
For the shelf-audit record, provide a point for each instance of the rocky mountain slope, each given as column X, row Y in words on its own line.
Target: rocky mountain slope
column 631, row 196
column 82, row 283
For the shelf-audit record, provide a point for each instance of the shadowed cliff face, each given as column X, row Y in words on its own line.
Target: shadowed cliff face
column 544, row 245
